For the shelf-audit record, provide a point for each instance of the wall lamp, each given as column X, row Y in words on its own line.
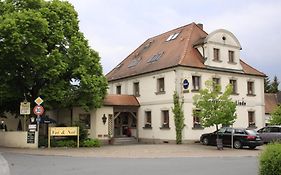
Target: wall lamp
column 104, row 119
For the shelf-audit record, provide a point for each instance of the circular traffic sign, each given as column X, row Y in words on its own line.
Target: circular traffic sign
column 38, row 110
column 185, row 83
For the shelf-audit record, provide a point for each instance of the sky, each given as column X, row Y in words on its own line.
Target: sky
column 115, row 28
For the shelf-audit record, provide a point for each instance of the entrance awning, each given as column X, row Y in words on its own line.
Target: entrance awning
column 120, row 100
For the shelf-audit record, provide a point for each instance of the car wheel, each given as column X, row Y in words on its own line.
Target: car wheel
column 237, row 144
column 252, row 147
column 205, row 141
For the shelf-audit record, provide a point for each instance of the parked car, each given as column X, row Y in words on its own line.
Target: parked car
column 270, row 133
column 241, row 137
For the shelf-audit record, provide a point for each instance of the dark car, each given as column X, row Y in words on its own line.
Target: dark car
column 270, row 133
column 241, row 137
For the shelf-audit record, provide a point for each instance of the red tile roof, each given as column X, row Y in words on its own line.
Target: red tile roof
column 120, row 100
column 177, row 52
column 270, row 101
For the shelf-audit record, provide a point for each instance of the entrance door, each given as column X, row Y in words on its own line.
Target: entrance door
column 124, row 125
column 121, row 124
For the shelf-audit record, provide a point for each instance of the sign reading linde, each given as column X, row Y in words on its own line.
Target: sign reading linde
column 63, row 131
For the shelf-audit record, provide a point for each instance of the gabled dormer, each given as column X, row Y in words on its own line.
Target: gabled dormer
column 221, row 50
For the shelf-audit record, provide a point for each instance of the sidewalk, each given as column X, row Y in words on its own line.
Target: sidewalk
column 141, row 151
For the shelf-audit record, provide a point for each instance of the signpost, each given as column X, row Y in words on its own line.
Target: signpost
column 24, row 110
column 63, row 131
column 38, row 110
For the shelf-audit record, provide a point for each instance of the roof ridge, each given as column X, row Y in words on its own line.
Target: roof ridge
column 172, row 30
column 186, row 44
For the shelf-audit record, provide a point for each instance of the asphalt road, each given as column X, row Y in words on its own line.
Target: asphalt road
column 22, row 164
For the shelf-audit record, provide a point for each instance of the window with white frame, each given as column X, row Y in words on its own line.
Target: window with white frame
column 118, row 89
column 136, row 89
column 147, row 122
column 196, row 81
column 160, row 85
column 85, row 120
column 234, row 86
column 251, row 119
column 250, row 88
column 231, row 56
column 196, row 119
column 216, row 54
column 165, row 119
column 216, row 82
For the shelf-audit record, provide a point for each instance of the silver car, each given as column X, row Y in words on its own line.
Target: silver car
column 270, row 133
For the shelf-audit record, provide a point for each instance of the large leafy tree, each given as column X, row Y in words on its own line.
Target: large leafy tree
column 276, row 116
column 214, row 107
column 43, row 53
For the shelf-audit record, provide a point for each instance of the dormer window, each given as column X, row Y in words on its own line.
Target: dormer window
column 216, row 54
column 231, row 56
column 173, row 36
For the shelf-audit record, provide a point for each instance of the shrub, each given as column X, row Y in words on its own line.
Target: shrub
column 83, row 132
column 270, row 160
column 90, row 143
column 66, row 143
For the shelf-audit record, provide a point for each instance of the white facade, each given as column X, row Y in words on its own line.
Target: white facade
column 155, row 102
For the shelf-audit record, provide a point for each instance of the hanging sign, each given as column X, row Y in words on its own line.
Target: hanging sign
column 24, row 108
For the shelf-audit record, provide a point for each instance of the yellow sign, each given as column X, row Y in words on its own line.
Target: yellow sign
column 63, row 131
column 38, row 100
column 24, row 108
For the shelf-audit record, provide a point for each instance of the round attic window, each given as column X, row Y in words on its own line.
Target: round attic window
column 224, row 38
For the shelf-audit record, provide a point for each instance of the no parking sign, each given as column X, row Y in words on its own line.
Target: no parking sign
column 38, row 110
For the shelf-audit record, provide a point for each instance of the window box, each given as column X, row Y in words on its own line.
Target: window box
column 147, row 127
column 197, row 127
column 251, row 95
column 165, row 126
column 160, row 92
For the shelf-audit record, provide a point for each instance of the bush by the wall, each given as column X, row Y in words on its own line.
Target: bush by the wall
column 90, row 143
column 270, row 160
column 66, row 143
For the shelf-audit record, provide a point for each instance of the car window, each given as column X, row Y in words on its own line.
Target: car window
column 274, row 129
column 265, row 129
column 239, row 131
column 251, row 132
column 228, row 130
column 222, row 130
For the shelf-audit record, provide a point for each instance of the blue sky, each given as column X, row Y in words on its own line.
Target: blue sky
column 115, row 28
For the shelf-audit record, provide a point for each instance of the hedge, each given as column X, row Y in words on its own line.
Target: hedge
column 270, row 160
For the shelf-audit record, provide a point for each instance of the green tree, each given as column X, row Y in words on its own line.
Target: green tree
column 43, row 53
column 214, row 107
column 274, row 85
column 276, row 116
column 178, row 117
column 267, row 85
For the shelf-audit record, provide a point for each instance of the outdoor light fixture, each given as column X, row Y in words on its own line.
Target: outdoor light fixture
column 104, row 119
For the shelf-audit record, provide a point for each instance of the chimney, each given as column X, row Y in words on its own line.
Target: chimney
column 200, row 25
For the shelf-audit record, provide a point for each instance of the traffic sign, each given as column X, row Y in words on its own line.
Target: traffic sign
column 38, row 110
column 38, row 100
column 185, row 84
column 24, row 108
